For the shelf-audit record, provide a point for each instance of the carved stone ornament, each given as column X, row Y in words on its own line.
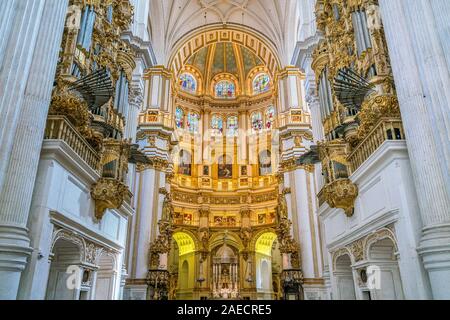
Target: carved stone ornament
column 108, row 194
column 341, row 194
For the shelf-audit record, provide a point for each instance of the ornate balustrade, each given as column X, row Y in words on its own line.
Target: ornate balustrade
column 386, row 129
column 59, row 128
column 157, row 118
column 294, row 117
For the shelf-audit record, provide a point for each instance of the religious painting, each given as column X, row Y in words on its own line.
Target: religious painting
column 225, row 167
column 187, row 219
column 185, row 165
column 265, row 163
column 225, row 90
column 188, row 83
column 261, row 83
column 218, row 221
column 205, row 170
column 262, row 218
column 231, row 221
column 244, row 171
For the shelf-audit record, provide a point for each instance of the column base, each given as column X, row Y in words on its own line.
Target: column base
column 435, row 252
column 14, row 252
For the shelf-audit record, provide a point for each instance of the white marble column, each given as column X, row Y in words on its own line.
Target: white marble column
column 303, row 194
column 147, row 195
column 33, row 33
column 415, row 33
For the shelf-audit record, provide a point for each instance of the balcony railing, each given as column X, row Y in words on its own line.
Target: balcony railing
column 293, row 118
column 59, row 128
column 156, row 118
column 386, row 129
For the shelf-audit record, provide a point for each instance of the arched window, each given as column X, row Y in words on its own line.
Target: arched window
column 179, row 118
column 270, row 117
column 188, row 83
column 225, row 90
column 257, row 122
column 265, row 163
column 261, row 83
column 232, row 126
column 217, row 125
column 193, row 121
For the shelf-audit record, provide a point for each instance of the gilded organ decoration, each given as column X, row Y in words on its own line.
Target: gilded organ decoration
column 358, row 104
column 93, row 92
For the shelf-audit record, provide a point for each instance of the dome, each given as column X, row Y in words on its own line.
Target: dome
column 226, row 65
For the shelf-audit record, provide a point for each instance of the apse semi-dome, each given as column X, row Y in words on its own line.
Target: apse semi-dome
column 225, row 70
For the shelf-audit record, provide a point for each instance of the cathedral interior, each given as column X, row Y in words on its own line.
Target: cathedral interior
column 224, row 150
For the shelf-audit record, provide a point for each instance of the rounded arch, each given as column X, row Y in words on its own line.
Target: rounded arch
column 225, row 77
column 187, row 242
column 253, row 75
column 378, row 236
column 257, row 235
column 196, row 76
column 340, row 253
column 184, row 275
column 71, row 238
column 264, row 243
column 252, row 39
column 232, row 239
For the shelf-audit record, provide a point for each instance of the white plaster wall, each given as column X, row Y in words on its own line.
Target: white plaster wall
column 386, row 196
column 62, row 189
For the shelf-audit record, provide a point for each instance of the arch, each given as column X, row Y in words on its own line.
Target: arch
column 265, row 242
column 232, row 239
column 261, row 83
column 184, row 275
column 265, row 275
column 249, row 38
column 258, row 234
column 380, row 235
column 343, row 274
column 342, row 252
column 72, row 238
column 225, row 78
column 105, row 286
column 188, row 82
column 186, row 243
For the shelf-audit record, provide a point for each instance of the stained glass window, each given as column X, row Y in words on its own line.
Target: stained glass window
column 179, row 118
column 193, row 121
column 232, row 126
column 270, row 117
column 217, row 125
column 225, row 90
column 257, row 122
column 261, row 83
column 188, row 83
